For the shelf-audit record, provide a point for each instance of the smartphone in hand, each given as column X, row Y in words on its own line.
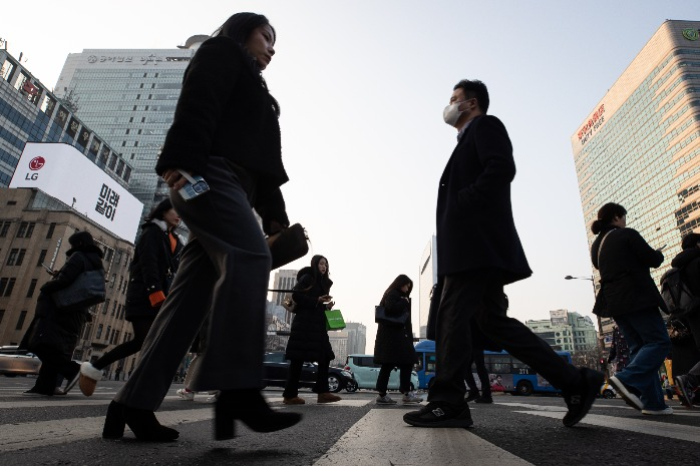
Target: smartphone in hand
column 195, row 186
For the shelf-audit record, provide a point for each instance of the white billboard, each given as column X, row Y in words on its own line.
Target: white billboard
column 61, row 171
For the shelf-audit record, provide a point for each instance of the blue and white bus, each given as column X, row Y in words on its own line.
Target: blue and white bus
column 506, row 373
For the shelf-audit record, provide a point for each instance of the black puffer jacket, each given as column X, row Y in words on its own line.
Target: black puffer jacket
column 688, row 261
column 626, row 284
column 308, row 340
column 152, row 269
column 393, row 344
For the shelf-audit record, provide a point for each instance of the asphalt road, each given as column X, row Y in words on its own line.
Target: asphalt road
column 513, row 431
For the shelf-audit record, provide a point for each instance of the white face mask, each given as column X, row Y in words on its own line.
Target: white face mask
column 452, row 113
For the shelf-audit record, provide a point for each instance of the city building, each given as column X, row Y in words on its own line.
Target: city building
column 30, row 112
column 357, row 337
column 129, row 98
column 640, row 144
column 34, row 231
column 339, row 343
column 427, row 278
column 566, row 331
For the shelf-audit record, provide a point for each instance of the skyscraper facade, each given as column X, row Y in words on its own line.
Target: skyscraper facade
column 640, row 144
column 30, row 112
column 129, row 97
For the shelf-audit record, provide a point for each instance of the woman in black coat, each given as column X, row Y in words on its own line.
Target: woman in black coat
column 308, row 340
column 393, row 346
column 226, row 131
column 53, row 333
column 629, row 295
column 152, row 270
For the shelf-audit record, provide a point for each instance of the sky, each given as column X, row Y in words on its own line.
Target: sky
column 362, row 86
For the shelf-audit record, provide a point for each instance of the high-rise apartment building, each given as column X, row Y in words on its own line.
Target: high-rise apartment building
column 640, row 144
column 29, row 112
column 129, row 97
column 427, row 278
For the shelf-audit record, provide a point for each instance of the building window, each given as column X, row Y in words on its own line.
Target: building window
column 42, row 257
column 99, row 332
column 105, row 306
column 52, row 227
column 2, row 315
column 12, row 257
column 32, row 287
column 22, row 229
column 30, row 230
column 10, row 285
column 20, row 321
column 20, row 256
column 109, row 330
column 4, row 226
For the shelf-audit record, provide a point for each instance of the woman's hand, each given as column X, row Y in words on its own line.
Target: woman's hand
column 174, row 178
column 330, row 305
column 324, row 299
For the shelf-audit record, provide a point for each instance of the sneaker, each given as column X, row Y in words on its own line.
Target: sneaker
column 185, row 394
column 658, row 412
column 327, row 398
column 411, row 398
column 58, row 391
column 484, row 399
column 294, row 401
column 630, row 398
column 213, row 396
column 471, row 396
column 685, row 390
column 34, row 393
column 440, row 414
column 581, row 398
column 384, row 400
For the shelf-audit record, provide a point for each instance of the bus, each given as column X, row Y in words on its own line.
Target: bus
column 506, row 373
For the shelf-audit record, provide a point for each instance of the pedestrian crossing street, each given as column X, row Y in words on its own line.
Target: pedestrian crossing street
column 363, row 443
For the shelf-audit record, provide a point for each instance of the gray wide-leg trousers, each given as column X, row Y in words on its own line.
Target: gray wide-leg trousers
column 223, row 274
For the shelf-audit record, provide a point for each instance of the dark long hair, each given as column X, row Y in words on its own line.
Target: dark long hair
column 323, row 280
column 606, row 215
column 690, row 241
column 399, row 282
column 239, row 27
column 159, row 211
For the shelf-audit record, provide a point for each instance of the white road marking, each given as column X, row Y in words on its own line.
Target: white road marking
column 562, row 409
column 640, row 425
column 367, row 443
column 40, row 434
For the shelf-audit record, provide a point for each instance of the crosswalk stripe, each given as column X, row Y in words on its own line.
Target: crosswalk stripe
column 641, row 425
column 44, row 433
column 557, row 408
column 381, row 438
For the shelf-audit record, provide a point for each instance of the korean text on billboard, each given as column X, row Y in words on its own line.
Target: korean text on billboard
column 107, row 202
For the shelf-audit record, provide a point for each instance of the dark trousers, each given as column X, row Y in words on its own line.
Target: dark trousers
column 404, row 378
column 693, row 322
column 223, row 275
column 54, row 363
column 480, row 294
column 481, row 371
column 291, row 389
column 141, row 327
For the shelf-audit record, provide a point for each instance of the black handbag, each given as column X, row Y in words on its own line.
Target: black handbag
column 381, row 317
column 86, row 290
column 288, row 245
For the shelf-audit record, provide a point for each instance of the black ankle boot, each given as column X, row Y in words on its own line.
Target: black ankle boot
column 143, row 424
column 250, row 407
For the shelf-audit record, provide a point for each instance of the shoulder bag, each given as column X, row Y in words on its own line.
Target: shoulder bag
column 381, row 317
column 288, row 245
column 600, row 307
column 86, row 290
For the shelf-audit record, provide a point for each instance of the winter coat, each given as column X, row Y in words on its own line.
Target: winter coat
column 225, row 111
column 394, row 344
column 151, row 270
column 308, row 339
column 475, row 227
column 688, row 261
column 625, row 282
column 54, row 328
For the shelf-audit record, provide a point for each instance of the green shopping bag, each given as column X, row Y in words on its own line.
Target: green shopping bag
column 334, row 320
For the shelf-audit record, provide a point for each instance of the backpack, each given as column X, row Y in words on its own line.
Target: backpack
column 678, row 297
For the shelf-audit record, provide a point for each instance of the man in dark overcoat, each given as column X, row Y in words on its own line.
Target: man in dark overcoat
column 479, row 252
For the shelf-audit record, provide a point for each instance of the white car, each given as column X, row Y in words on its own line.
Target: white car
column 366, row 372
column 14, row 362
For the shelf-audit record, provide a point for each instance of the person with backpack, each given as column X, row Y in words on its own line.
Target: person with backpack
column 629, row 295
column 686, row 309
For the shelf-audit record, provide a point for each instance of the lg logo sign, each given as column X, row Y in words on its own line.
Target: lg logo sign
column 35, row 165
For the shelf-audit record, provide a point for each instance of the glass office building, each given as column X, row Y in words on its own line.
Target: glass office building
column 129, row 97
column 640, row 145
column 29, row 112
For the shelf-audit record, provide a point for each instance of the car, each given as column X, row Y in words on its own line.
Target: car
column 276, row 369
column 607, row 391
column 14, row 362
column 366, row 372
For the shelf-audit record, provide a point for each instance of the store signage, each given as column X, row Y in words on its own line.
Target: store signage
column 125, row 59
column 592, row 125
column 691, row 34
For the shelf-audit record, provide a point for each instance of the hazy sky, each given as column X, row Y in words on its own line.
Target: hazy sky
column 362, row 86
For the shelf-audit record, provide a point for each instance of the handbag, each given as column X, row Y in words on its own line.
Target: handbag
column 288, row 302
column 381, row 317
column 86, row 290
column 600, row 307
column 288, row 245
column 334, row 320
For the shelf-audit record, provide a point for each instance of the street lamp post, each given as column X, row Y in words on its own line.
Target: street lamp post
column 601, row 343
